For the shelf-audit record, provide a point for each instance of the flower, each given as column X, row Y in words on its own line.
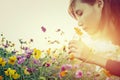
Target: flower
column 30, row 70
column 2, row 62
column 78, row 74
column 107, row 73
column 66, row 67
column 26, row 72
column 78, row 31
column 71, row 57
column 10, row 72
column 16, row 76
column 28, row 53
column 43, row 29
column 63, row 73
column 21, row 60
column 12, row 60
column 36, row 53
column 48, row 51
column 1, row 77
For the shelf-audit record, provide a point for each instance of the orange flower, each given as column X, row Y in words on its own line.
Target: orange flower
column 1, row 77
column 107, row 73
column 63, row 73
column 78, row 31
column 71, row 57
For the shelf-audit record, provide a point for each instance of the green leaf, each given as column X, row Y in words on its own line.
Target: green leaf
column 42, row 78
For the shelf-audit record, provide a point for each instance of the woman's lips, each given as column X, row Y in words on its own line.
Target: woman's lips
column 83, row 27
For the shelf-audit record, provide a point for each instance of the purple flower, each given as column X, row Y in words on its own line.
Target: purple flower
column 30, row 70
column 21, row 60
column 37, row 62
column 43, row 29
column 78, row 74
column 28, row 52
column 19, row 57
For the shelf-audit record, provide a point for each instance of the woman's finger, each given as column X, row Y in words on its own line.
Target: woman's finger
column 72, row 46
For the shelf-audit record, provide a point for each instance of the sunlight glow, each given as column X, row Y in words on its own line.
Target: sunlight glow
column 98, row 45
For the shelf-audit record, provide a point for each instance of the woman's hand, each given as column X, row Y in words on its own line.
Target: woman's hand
column 79, row 49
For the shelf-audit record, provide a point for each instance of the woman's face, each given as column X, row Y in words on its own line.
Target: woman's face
column 88, row 16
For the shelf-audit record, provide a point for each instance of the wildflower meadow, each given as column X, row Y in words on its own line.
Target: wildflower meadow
column 49, row 64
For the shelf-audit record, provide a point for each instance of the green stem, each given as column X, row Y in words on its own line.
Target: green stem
column 11, row 78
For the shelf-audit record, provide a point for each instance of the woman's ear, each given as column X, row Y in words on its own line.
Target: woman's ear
column 100, row 3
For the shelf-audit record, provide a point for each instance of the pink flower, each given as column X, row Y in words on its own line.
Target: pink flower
column 63, row 68
column 78, row 74
column 66, row 67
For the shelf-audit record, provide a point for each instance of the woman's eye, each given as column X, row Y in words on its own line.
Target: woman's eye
column 79, row 12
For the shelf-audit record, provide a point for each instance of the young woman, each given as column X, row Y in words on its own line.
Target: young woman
column 100, row 19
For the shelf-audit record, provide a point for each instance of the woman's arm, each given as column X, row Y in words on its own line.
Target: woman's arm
column 111, row 65
column 82, row 52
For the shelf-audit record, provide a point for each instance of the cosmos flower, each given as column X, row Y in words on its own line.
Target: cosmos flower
column 43, row 29
column 63, row 73
column 78, row 74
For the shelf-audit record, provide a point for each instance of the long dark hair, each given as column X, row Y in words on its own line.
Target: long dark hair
column 110, row 12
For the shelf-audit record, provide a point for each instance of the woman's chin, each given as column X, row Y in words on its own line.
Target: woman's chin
column 90, row 32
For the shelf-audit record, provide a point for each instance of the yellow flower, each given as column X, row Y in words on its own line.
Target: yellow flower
column 48, row 51
column 26, row 72
column 12, row 60
column 16, row 76
column 2, row 62
column 1, row 78
column 36, row 53
column 78, row 31
column 10, row 72
column 55, row 55
column 7, row 73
